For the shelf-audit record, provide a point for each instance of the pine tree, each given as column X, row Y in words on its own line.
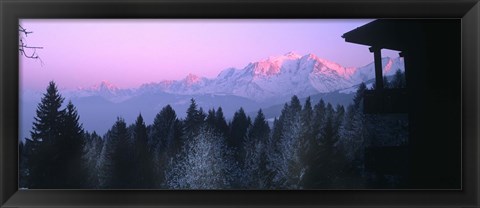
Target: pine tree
column 260, row 129
column 313, row 156
column 339, row 116
column 352, row 146
column 321, row 174
column 278, row 125
column 236, row 140
column 307, row 112
column 166, row 131
column 116, row 159
column 238, row 131
column 318, row 119
column 306, row 122
column 194, row 120
column 238, row 128
column 210, row 120
column 255, row 173
column 329, row 134
column 295, row 105
column 326, row 163
column 399, row 80
column 72, row 149
column 47, row 125
column 220, row 123
column 355, row 130
column 201, row 116
column 45, row 162
column 285, row 160
column 92, row 149
column 165, row 142
column 307, row 137
column 386, row 83
column 358, row 99
column 142, row 157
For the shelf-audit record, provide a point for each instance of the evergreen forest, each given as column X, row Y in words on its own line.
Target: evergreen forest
column 309, row 146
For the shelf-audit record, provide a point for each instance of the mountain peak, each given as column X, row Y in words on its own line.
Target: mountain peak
column 292, row 54
column 273, row 64
column 279, row 59
column 104, row 85
column 191, row 76
column 191, row 79
column 328, row 65
column 311, row 56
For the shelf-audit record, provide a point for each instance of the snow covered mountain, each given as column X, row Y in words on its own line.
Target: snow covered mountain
column 266, row 84
column 274, row 78
column 292, row 74
column 104, row 89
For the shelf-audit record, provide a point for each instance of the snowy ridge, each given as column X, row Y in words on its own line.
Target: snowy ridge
column 104, row 89
column 275, row 77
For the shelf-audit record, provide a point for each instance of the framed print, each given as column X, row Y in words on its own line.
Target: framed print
column 222, row 103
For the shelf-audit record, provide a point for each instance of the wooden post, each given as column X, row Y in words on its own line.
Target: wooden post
column 377, row 56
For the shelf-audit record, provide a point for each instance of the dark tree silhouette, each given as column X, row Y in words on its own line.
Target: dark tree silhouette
column 399, row 80
column 165, row 142
column 236, row 140
column 54, row 155
column 386, row 83
column 307, row 137
column 194, row 120
column 220, row 123
column 255, row 172
column 328, row 162
column 210, row 120
column 166, row 131
column 278, row 125
column 358, row 99
column 142, row 157
column 260, row 129
column 117, row 154
column 92, row 149
column 72, row 150
column 238, row 129
column 45, row 161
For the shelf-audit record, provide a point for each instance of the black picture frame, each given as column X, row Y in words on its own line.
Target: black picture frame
column 12, row 10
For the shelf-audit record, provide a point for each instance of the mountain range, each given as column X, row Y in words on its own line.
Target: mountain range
column 262, row 84
column 271, row 78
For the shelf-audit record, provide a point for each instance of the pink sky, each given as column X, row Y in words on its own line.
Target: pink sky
column 128, row 53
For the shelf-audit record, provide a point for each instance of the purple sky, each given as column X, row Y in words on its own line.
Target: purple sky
column 128, row 53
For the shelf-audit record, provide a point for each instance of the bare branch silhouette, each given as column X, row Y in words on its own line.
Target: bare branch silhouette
column 24, row 49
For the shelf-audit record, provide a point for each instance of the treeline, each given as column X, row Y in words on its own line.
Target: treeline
column 310, row 146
